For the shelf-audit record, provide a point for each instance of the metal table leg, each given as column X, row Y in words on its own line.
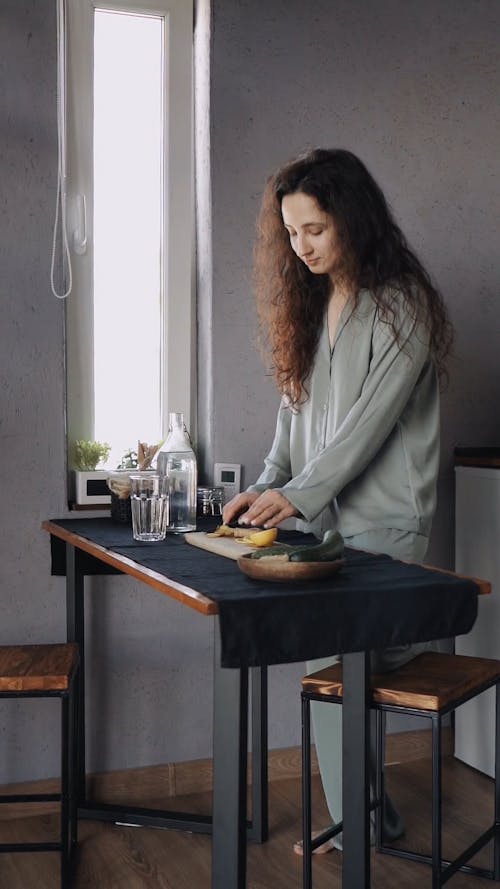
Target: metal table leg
column 229, row 774
column 75, row 632
column 356, row 771
column 258, row 832
column 87, row 809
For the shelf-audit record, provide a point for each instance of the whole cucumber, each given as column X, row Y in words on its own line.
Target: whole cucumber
column 330, row 548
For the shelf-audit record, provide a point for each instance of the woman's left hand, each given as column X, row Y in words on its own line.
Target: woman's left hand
column 268, row 510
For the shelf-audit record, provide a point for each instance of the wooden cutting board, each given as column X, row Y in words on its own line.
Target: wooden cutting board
column 223, row 546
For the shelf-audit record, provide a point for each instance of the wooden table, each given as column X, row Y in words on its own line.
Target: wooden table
column 232, row 685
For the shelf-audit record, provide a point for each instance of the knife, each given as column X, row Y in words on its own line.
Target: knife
column 249, row 528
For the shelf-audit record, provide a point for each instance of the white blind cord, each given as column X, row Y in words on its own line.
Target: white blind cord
column 60, row 216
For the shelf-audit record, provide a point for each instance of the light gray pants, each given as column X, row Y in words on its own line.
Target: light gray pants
column 327, row 721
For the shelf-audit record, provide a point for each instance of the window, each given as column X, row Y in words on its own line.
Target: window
column 130, row 219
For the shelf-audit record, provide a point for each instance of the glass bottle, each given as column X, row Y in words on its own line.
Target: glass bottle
column 176, row 460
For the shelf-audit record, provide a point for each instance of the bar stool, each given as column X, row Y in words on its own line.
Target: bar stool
column 47, row 671
column 431, row 685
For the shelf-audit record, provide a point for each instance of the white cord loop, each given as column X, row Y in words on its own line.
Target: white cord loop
column 60, row 216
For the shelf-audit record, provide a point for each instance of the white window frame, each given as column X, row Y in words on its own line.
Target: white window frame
column 178, row 366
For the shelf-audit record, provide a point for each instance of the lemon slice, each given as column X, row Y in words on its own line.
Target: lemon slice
column 221, row 531
column 262, row 538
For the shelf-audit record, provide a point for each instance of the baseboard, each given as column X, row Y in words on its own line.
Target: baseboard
column 407, row 746
column 142, row 786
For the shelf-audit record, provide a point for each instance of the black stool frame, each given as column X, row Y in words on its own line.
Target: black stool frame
column 442, row 869
column 67, row 795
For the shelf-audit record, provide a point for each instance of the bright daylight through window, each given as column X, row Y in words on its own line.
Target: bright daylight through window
column 128, row 242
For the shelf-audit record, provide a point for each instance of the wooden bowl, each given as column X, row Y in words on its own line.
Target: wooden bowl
column 277, row 571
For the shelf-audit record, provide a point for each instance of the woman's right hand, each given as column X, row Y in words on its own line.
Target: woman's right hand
column 238, row 505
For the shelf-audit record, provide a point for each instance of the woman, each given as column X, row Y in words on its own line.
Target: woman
column 358, row 336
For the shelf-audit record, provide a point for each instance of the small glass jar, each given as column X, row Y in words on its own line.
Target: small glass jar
column 209, row 501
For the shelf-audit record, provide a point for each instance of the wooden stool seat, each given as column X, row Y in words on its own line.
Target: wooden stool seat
column 431, row 685
column 47, row 671
column 431, row 681
column 37, row 667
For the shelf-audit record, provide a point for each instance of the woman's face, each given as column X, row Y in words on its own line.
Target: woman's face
column 313, row 234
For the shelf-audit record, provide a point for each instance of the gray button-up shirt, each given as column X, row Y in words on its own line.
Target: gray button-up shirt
column 363, row 451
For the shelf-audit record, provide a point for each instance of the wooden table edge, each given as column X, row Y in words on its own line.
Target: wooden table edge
column 178, row 591
column 484, row 586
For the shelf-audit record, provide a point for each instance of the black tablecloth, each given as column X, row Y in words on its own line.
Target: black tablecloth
column 373, row 602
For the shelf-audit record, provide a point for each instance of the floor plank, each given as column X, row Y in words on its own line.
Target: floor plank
column 112, row 857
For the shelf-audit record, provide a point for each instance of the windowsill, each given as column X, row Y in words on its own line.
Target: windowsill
column 87, row 507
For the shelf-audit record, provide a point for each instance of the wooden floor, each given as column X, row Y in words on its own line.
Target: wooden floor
column 112, row 857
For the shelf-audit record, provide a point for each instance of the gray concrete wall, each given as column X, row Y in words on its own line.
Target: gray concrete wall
column 32, row 448
column 412, row 88
column 149, row 657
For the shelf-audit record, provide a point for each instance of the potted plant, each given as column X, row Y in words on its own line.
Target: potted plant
column 88, row 454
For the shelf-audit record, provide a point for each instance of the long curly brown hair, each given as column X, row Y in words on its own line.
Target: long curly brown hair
column 291, row 300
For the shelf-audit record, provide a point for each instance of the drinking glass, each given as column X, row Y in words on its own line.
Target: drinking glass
column 149, row 501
